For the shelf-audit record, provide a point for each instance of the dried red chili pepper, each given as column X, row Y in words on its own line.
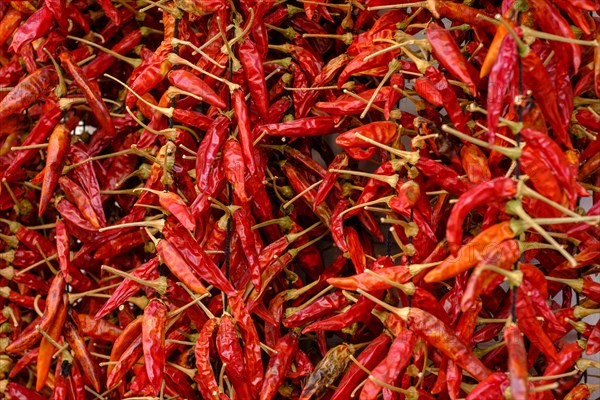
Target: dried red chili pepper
column 27, row 91
column 388, row 370
column 310, row 126
column 496, row 191
column 91, row 93
column 517, row 362
column 153, row 342
column 82, row 355
column 279, row 365
column 232, row 355
column 444, row 48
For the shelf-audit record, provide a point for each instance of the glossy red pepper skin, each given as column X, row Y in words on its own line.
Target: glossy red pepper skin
column 213, row 141
column 83, row 356
column 309, row 126
column 231, row 353
column 517, row 362
column 324, row 306
column 388, row 370
column 279, row 365
column 27, row 91
column 189, row 82
column 205, row 377
column 255, row 77
column 491, row 388
column 178, row 266
column 153, row 342
column 36, row 26
column 445, row 49
column 493, row 192
column 91, row 93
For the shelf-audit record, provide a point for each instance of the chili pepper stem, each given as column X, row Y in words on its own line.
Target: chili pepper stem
column 391, row 180
column 177, row 60
column 168, row 112
column 12, row 196
column 417, row 4
column 175, row 12
column 301, row 194
column 362, row 205
column 512, row 153
column 576, row 284
column 357, row 97
column 193, row 295
column 416, row 269
column 542, row 388
column 399, row 312
column 158, row 284
column 407, row 288
column 408, row 249
column 37, row 264
column 158, row 224
column 292, row 310
column 284, row 222
column 411, row 157
column 515, row 207
column 393, row 66
column 169, row 133
column 188, row 305
column 582, row 312
column 76, row 296
column 548, row 36
column 134, row 62
column 177, row 42
column 523, row 190
column 515, row 278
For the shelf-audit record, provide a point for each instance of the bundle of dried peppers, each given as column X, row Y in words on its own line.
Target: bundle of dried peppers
column 299, row 199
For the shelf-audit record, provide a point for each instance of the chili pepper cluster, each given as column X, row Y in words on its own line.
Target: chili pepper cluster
column 299, row 199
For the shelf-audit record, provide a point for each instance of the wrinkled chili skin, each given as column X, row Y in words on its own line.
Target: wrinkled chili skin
column 279, row 365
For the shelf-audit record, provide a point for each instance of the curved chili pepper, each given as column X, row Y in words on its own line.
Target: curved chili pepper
column 205, row 376
column 178, row 266
column 383, row 132
column 91, row 94
column 310, row 126
column 58, row 146
column 19, row 392
column 517, row 362
column 189, row 82
column 443, row 338
column 445, row 50
column 350, row 105
column 27, row 91
column 46, row 348
column 125, row 362
column 10, row 21
column 471, row 253
column 388, row 370
column 374, row 66
column 207, row 152
column 530, row 326
column 255, row 77
column 251, row 340
column 36, row 26
column 83, row 356
column 496, row 191
column 323, row 306
column 235, row 167
column 279, row 365
column 550, row 20
column 230, row 352
column 491, row 388
column 153, row 342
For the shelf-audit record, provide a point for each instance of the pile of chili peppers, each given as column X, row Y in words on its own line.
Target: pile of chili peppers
column 214, row 199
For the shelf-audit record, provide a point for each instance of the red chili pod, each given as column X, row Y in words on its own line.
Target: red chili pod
column 153, row 342
column 382, row 131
